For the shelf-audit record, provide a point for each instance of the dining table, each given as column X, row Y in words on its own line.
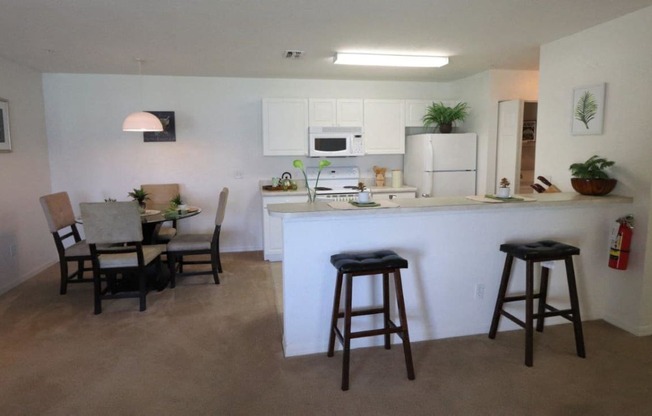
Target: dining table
column 154, row 217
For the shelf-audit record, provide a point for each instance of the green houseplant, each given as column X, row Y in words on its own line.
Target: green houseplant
column 139, row 195
column 311, row 192
column 444, row 116
column 590, row 178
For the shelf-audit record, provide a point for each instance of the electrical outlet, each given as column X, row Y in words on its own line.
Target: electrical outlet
column 479, row 291
column 12, row 250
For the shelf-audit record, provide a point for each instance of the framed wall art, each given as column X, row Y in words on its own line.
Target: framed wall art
column 529, row 130
column 169, row 130
column 588, row 110
column 5, row 138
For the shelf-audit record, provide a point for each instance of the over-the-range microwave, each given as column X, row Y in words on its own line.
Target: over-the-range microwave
column 335, row 141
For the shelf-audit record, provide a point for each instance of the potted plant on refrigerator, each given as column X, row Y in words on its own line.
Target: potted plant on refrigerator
column 444, row 117
column 590, row 178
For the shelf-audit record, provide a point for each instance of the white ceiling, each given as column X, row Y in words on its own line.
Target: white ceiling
column 247, row 38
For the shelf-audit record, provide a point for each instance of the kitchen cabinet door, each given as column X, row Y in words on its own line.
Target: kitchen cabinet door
column 384, row 126
column 336, row 112
column 414, row 112
column 285, row 127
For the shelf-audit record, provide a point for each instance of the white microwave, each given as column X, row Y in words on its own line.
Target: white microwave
column 335, row 141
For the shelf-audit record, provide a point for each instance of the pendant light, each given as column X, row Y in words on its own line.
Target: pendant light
column 141, row 120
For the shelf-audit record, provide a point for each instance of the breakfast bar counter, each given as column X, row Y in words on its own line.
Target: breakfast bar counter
column 452, row 245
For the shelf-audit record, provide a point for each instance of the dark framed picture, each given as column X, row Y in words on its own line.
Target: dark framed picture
column 529, row 130
column 5, row 138
column 169, row 132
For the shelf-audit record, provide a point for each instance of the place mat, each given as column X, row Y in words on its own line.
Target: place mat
column 150, row 212
column 364, row 205
column 492, row 199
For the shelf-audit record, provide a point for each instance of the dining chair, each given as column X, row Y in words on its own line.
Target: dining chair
column 70, row 247
column 114, row 235
column 195, row 244
column 160, row 195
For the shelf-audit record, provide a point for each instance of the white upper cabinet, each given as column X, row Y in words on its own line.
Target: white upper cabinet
column 384, row 126
column 414, row 112
column 285, row 127
column 336, row 112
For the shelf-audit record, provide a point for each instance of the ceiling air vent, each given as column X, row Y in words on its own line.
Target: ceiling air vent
column 289, row 54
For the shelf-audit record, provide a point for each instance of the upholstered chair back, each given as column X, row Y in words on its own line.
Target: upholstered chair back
column 221, row 207
column 111, row 222
column 160, row 194
column 58, row 211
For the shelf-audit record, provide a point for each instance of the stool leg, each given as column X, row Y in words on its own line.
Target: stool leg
column 529, row 309
column 500, row 299
column 404, row 323
column 543, row 296
column 347, row 331
column 336, row 311
column 575, row 306
column 386, row 309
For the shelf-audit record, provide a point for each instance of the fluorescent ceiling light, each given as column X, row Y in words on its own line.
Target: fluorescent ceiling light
column 390, row 60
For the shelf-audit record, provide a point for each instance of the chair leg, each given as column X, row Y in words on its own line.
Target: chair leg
column 142, row 289
column 97, row 292
column 63, row 269
column 575, row 306
column 543, row 297
column 500, row 299
column 388, row 344
column 80, row 269
column 334, row 315
column 172, row 267
column 529, row 312
column 347, row 331
column 407, row 350
column 219, row 260
column 215, row 267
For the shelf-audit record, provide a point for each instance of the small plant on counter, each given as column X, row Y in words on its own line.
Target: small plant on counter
column 590, row 178
column 444, row 117
column 504, row 183
column 109, row 199
column 299, row 165
column 593, row 168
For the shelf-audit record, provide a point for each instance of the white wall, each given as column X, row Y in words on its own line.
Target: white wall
column 218, row 128
column 483, row 92
column 618, row 53
column 25, row 177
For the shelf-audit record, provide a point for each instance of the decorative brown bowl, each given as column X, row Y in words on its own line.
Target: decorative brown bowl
column 595, row 187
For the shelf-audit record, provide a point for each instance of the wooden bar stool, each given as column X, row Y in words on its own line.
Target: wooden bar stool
column 535, row 253
column 350, row 265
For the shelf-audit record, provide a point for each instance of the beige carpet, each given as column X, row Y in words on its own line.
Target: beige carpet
column 203, row 349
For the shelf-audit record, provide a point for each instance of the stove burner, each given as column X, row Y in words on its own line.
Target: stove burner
column 323, row 188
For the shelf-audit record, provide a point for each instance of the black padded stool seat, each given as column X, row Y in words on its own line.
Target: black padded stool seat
column 350, row 265
column 531, row 253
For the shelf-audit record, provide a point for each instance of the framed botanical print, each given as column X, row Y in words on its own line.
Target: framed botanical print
column 588, row 110
column 5, row 138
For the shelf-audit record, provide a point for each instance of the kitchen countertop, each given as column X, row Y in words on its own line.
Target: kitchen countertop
column 302, row 190
column 548, row 200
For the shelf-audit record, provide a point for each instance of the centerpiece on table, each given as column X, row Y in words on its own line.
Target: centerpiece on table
column 138, row 194
column 312, row 192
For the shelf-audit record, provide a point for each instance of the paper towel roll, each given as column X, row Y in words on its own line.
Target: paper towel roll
column 397, row 179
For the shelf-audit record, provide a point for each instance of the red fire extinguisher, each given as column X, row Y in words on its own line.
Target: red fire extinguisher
column 620, row 242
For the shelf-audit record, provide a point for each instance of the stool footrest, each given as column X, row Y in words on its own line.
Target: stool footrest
column 362, row 312
column 515, row 298
column 564, row 313
column 375, row 332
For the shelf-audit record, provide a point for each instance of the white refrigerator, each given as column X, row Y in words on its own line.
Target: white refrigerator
column 441, row 164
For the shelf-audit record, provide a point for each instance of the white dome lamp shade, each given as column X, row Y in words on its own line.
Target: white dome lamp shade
column 142, row 121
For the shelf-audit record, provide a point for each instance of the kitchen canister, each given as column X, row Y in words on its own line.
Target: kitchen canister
column 397, row 178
